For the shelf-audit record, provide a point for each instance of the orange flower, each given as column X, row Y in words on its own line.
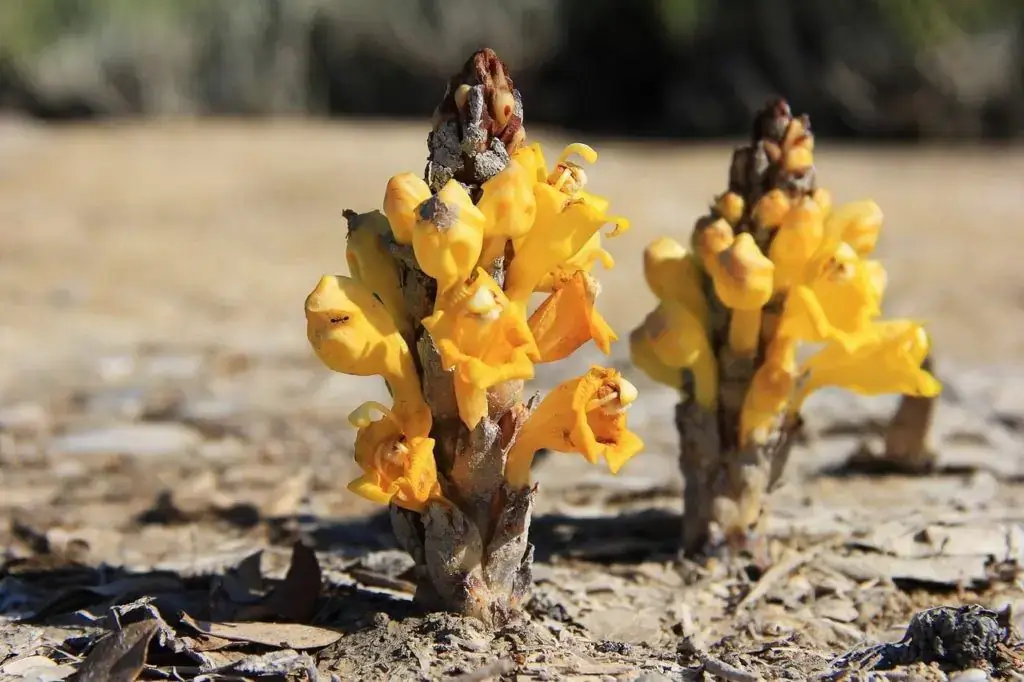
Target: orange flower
column 585, row 415
column 395, row 468
column 484, row 339
column 567, row 319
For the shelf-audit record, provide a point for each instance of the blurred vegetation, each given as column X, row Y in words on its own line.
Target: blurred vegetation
column 857, row 65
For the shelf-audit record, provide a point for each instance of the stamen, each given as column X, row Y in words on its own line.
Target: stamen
column 362, row 416
column 584, row 151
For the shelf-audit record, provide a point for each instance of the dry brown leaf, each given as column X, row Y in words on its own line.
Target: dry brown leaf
column 118, row 657
column 290, row 635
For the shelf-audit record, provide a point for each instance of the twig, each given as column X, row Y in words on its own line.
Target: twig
column 725, row 671
column 497, row 668
column 775, row 574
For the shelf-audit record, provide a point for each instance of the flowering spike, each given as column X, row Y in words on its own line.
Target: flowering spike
column 437, row 305
column 735, row 365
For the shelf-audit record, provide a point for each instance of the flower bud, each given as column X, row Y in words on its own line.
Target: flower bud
column 711, row 239
column 771, row 209
column 730, row 206
column 798, row 159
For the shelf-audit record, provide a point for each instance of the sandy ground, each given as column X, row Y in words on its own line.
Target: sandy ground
column 217, row 231
column 159, row 407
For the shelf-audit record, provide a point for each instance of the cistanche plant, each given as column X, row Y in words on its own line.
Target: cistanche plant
column 437, row 303
column 771, row 273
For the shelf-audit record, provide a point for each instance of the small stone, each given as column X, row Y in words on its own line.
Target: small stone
column 970, row 675
column 24, row 418
column 115, row 367
column 834, row 608
column 174, row 366
column 149, row 439
column 126, row 402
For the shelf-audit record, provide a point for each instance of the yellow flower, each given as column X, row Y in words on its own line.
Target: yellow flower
column 858, row 224
column 567, row 319
column 509, row 208
column 878, row 278
column 585, row 415
column 448, row 236
column 563, row 227
column 404, row 193
column 585, row 259
column 673, row 274
column 797, row 239
column 484, row 339
column 743, row 278
column 370, row 262
column 531, row 157
column 889, row 363
column 770, row 391
column 568, row 218
column 396, row 468
column 679, row 340
column 642, row 355
column 352, row 332
column 839, row 299
column 823, row 198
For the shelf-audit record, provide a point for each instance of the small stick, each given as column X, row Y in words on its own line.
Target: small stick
column 502, row 666
column 725, row 671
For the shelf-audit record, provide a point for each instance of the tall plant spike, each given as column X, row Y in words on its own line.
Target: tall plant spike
column 771, row 268
column 437, row 303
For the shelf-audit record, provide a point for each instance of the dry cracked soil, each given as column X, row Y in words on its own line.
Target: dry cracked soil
column 173, row 461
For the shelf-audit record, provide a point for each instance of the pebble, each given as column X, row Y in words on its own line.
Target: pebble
column 24, row 418
column 148, row 439
column 970, row 675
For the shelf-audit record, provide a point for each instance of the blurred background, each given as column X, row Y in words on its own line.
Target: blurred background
column 668, row 68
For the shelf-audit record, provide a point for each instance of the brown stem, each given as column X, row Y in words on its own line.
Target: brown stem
column 907, row 445
column 473, row 555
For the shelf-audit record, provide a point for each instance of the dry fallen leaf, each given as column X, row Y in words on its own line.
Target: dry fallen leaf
column 294, row 598
column 290, row 635
column 118, row 657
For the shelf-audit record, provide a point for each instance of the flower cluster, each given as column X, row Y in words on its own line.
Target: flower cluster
column 544, row 227
column 772, row 271
column 818, row 267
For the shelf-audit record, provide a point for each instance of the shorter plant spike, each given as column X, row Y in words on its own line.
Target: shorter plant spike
column 774, row 265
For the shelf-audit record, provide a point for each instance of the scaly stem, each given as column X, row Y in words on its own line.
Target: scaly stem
column 472, row 556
